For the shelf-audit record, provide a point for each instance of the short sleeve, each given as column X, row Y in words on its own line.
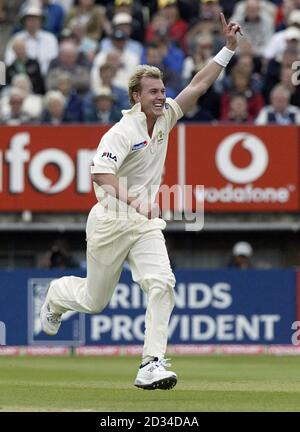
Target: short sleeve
column 173, row 112
column 111, row 152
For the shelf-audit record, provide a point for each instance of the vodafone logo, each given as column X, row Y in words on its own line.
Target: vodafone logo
column 259, row 158
column 239, row 187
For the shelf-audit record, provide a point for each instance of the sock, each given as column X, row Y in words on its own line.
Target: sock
column 146, row 360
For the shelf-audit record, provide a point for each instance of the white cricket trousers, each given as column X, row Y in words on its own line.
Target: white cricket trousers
column 109, row 243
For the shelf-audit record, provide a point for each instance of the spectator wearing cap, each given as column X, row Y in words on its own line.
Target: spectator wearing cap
column 138, row 13
column 53, row 15
column 279, row 111
column 279, row 41
column 124, row 59
column 258, row 28
column 103, row 110
column 175, row 26
column 91, row 16
column 122, row 22
column 242, row 253
column 268, row 8
column 107, row 72
column 25, row 65
column 40, row 44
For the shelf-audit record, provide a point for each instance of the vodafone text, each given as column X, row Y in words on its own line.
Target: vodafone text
column 246, row 194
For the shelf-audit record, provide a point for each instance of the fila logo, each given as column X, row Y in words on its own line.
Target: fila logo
column 109, row 156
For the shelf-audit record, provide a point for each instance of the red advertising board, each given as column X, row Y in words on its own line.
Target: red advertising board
column 47, row 169
column 245, row 168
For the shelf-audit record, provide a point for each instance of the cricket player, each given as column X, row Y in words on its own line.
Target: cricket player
column 125, row 222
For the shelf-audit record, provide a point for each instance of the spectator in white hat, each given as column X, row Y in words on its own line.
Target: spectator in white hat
column 122, row 21
column 279, row 41
column 242, row 253
column 103, row 110
column 258, row 27
column 139, row 12
column 40, row 44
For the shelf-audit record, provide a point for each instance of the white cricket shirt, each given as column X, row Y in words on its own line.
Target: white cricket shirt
column 128, row 152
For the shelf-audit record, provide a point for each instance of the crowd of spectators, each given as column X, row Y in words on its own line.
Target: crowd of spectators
column 69, row 61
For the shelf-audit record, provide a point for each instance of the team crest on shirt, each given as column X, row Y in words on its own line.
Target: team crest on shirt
column 160, row 137
column 139, row 146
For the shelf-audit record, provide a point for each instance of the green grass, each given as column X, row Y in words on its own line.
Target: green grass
column 206, row 383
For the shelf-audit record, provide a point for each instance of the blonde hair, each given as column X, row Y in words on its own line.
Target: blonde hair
column 134, row 83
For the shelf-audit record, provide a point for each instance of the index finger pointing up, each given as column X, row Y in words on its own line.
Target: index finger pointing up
column 223, row 20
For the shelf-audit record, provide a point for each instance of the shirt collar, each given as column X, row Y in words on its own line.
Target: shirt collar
column 136, row 108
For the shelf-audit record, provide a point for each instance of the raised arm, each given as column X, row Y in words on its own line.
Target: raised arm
column 210, row 72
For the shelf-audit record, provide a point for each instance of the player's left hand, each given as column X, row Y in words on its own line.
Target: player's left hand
column 230, row 31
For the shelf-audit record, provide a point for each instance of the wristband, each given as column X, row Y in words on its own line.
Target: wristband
column 223, row 57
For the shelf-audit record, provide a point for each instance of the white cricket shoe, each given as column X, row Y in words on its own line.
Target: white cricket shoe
column 50, row 320
column 154, row 376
